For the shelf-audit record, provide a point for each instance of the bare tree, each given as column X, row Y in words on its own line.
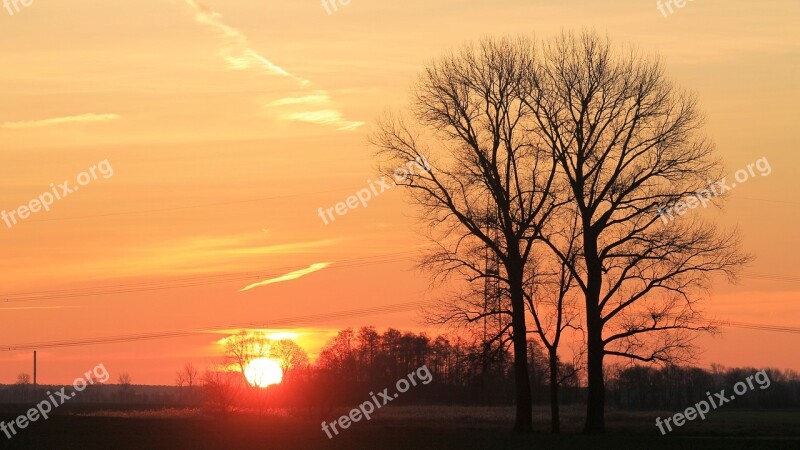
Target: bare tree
column 628, row 143
column 187, row 376
column 223, row 390
column 244, row 347
column 23, row 379
column 290, row 356
column 488, row 187
column 124, row 382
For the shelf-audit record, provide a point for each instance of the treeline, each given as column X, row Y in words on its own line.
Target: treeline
column 465, row 372
column 673, row 387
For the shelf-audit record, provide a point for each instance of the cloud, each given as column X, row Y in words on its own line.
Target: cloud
column 89, row 117
column 236, row 50
column 315, row 99
column 324, row 117
column 289, row 276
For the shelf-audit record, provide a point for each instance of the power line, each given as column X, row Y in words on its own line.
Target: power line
column 299, row 321
column 733, row 324
column 293, row 321
column 771, row 277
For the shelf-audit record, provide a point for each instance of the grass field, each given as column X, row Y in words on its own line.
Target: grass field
column 414, row 428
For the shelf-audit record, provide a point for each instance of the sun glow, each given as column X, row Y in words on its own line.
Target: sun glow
column 263, row 372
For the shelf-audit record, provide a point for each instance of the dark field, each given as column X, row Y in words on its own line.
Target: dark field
column 401, row 427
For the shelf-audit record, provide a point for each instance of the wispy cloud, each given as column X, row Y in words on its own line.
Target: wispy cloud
column 89, row 117
column 236, row 47
column 239, row 54
column 324, row 117
column 313, row 99
column 289, row 276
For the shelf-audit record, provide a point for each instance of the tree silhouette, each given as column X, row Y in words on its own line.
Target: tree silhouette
column 290, row 356
column 24, row 379
column 628, row 143
column 487, row 189
column 244, row 347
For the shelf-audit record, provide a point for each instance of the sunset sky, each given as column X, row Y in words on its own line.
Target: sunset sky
column 229, row 123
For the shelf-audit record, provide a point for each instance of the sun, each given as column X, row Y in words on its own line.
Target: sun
column 263, row 372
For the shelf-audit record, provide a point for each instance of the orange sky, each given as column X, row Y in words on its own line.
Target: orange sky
column 228, row 124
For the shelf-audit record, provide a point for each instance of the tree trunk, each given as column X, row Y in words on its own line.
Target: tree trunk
column 595, row 406
column 524, row 417
column 595, row 403
column 555, row 421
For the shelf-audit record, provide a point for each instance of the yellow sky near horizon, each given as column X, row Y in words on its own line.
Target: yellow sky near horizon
column 229, row 123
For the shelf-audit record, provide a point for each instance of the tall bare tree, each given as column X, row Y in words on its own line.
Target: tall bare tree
column 488, row 182
column 628, row 142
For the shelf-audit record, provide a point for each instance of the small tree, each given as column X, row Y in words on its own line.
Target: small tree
column 223, row 390
column 23, row 379
column 187, row 378
column 125, row 388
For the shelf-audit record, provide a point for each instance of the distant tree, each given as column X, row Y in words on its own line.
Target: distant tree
column 338, row 353
column 125, row 388
column 244, row 347
column 23, row 379
column 223, row 390
column 124, row 379
column 291, row 356
column 368, row 346
column 187, row 376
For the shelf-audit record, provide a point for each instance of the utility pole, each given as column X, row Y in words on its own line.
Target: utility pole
column 491, row 290
column 34, row 371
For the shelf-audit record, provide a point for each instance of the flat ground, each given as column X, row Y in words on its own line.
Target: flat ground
column 402, row 427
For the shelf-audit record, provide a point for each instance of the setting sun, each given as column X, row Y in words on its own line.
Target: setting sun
column 263, row 372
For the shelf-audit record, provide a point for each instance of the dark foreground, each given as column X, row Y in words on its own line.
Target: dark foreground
column 402, row 428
